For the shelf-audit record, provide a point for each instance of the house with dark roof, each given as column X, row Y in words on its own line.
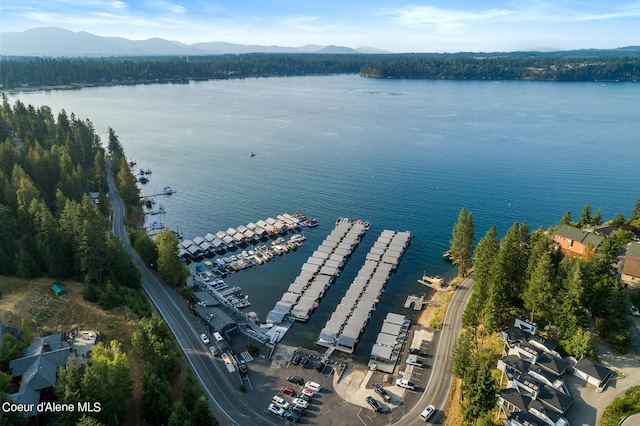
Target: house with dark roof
column 37, row 371
column 576, row 242
column 630, row 274
column 593, row 373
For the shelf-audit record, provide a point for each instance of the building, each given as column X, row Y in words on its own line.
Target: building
column 593, row 373
column 576, row 242
column 630, row 274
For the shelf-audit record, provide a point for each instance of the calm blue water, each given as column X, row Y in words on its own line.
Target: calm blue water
column 403, row 154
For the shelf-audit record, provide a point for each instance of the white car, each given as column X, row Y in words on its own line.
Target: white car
column 405, row 384
column 204, row 339
column 307, row 392
column 300, row 403
column 313, row 386
column 427, row 413
column 634, row 311
column 273, row 408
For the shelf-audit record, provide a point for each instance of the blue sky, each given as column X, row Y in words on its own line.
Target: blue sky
column 417, row 26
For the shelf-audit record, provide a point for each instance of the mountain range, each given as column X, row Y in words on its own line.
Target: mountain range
column 54, row 41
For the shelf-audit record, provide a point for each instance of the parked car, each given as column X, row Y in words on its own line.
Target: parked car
column 405, row 384
column 214, row 351
column 298, row 410
column 295, row 379
column 303, row 396
column 382, row 392
column 427, row 413
column 280, row 402
column 634, row 311
column 415, row 362
column 313, row 386
column 292, row 417
column 287, row 390
column 374, row 404
column 296, row 359
column 415, row 351
column 320, row 366
column 300, row 403
column 273, row 408
column 307, row 392
column 204, row 339
column 305, row 361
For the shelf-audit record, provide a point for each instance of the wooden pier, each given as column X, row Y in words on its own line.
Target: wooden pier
column 435, row 283
column 418, row 302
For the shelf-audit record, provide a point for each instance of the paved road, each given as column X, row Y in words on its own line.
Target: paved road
column 437, row 389
column 223, row 394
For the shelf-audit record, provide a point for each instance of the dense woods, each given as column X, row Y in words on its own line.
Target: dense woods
column 575, row 300
column 18, row 72
column 50, row 226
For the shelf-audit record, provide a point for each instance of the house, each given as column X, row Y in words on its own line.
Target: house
column 630, row 274
column 576, row 242
column 593, row 373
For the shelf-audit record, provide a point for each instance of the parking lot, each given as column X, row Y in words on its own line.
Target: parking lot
column 345, row 386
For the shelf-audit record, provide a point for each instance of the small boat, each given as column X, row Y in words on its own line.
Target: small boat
column 446, row 255
column 143, row 180
column 147, row 172
column 141, row 172
column 168, row 190
column 312, row 223
column 252, row 154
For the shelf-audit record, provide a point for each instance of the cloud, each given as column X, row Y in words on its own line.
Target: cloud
column 541, row 12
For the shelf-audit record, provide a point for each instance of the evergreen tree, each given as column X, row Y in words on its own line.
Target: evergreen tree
column 170, row 267
column 597, row 218
column 585, row 218
column 156, row 399
column 180, row 416
column 462, row 242
column 566, row 219
column 462, row 354
column 618, row 220
column 478, row 390
column 541, row 291
column 68, row 391
column 635, row 213
column 9, row 351
column 485, row 256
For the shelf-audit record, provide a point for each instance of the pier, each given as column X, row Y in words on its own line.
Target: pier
column 435, row 283
column 318, row 273
column 351, row 316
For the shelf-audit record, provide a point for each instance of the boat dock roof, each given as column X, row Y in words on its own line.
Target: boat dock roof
column 385, row 353
column 364, row 292
column 319, row 271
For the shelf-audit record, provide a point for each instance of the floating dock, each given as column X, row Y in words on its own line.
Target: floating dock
column 388, row 347
column 435, row 283
column 417, row 302
column 351, row 316
column 318, row 273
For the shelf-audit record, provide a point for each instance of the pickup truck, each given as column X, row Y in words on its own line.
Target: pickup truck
column 405, row 384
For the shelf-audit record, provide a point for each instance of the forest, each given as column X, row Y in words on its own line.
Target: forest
column 40, row 72
column 51, row 227
column 577, row 302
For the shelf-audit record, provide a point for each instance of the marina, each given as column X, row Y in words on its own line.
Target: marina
column 318, row 272
column 352, row 314
column 388, row 347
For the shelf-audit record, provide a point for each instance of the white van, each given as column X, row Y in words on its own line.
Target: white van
column 217, row 337
column 427, row 413
column 280, row 402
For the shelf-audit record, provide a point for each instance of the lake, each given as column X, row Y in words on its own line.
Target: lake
column 403, row 154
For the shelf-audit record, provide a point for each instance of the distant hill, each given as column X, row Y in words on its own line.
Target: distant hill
column 54, row 41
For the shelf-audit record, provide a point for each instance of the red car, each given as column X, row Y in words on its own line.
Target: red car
column 287, row 390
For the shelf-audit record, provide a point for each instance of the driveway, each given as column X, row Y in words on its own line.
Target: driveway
column 589, row 404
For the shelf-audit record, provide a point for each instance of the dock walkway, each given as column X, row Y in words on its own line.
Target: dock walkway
column 318, row 272
column 351, row 316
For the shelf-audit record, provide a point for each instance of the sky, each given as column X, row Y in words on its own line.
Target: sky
column 392, row 25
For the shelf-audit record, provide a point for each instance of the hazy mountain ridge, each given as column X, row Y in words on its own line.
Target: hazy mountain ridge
column 54, row 41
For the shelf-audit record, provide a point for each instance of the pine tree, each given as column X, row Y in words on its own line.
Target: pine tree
column 170, row 267
column 462, row 242
column 485, row 256
column 479, row 390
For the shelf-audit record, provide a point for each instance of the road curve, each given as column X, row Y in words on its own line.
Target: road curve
column 223, row 397
column 439, row 385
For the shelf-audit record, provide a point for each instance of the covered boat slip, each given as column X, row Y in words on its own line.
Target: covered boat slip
column 320, row 269
column 386, row 351
column 365, row 291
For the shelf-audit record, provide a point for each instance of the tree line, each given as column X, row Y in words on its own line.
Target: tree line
column 50, row 226
column 24, row 72
column 575, row 300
